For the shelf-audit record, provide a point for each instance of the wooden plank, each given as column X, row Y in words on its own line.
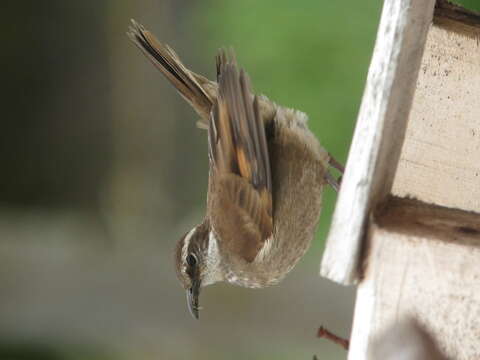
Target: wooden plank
column 422, row 261
column 379, row 132
column 440, row 160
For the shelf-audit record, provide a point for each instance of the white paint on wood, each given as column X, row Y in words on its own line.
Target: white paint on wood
column 379, row 132
column 440, row 160
column 364, row 312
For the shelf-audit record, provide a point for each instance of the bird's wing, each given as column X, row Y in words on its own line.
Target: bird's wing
column 240, row 161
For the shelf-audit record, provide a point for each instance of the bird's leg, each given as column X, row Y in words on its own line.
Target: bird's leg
column 334, row 183
column 329, row 178
column 335, row 164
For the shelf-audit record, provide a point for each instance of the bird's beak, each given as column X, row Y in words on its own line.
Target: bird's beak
column 192, row 298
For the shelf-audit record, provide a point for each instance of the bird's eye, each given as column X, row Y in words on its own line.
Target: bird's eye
column 191, row 260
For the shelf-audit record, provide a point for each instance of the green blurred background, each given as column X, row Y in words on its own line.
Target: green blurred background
column 103, row 169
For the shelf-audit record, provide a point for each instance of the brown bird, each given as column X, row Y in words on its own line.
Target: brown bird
column 266, row 176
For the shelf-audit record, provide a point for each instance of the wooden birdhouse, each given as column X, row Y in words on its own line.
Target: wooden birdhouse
column 406, row 228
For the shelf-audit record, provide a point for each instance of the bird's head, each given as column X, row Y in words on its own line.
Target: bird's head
column 197, row 262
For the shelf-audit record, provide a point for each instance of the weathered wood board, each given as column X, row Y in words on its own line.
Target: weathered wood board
column 379, row 133
column 440, row 159
column 416, row 254
column 422, row 261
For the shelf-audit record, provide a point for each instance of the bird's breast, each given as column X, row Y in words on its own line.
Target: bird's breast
column 298, row 165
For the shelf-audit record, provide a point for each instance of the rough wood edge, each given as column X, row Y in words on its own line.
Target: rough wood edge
column 414, row 217
column 445, row 10
column 379, row 133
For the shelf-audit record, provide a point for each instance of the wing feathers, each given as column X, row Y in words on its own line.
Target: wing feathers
column 263, row 147
column 240, row 159
column 240, row 220
column 247, row 133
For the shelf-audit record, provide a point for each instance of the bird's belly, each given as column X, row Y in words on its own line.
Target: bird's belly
column 298, row 165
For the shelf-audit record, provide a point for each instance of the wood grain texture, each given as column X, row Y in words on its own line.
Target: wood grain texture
column 418, row 256
column 379, row 132
column 440, row 160
column 422, row 263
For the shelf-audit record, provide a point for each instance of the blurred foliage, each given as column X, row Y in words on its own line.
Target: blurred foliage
column 469, row 4
column 55, row 145
column 39, row 351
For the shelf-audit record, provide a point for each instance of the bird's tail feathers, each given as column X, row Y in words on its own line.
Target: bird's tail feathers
column 190, row 85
